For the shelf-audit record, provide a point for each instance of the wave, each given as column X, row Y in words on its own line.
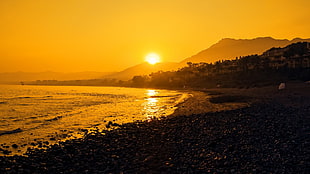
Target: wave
column 11, row 131
column 163, row 96
column 23, row 97
column 94, row 94
column 183, row 98
column 55, row 118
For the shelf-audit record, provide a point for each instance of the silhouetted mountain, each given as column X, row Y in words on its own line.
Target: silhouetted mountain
column 16, row 77
column 231, row 48
column 144, row 69
column 224, row 49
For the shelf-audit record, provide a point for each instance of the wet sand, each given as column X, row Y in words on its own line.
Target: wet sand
column 257, row 130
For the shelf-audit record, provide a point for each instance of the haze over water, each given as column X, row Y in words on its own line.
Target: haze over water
column 45, row 113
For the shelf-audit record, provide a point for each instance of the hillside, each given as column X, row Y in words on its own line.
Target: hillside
column 231, row 48
column 143, row 69
column 224, row 49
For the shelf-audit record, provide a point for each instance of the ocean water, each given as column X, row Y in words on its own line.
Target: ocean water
column 32, row 115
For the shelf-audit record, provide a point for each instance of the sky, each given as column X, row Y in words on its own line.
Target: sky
column 111, row 35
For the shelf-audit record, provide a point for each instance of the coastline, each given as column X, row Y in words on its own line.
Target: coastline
column 72, row 114
column 264, row 130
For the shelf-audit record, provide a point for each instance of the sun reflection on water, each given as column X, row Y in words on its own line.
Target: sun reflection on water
column 151, row 92
column 151, row 106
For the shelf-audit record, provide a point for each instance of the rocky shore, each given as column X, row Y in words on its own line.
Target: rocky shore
column 260, row 137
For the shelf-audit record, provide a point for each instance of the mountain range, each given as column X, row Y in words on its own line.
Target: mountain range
column 231, row 48
column 227, row 48
column 224, row 49
column 144, row 69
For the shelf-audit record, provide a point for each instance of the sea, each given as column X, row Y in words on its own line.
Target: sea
column 38, row 116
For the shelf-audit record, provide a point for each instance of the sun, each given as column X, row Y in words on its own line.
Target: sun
column 152, row 58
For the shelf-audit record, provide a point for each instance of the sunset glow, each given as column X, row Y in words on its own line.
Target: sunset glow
column 152, row 58
column 109, row 36
column 151, row 86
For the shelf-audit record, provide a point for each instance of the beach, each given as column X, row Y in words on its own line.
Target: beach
column 255, row 130
column 39, row 116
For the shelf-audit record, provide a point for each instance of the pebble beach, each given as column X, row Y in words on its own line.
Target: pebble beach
column 259, row 130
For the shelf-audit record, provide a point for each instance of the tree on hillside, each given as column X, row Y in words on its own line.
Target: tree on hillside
column 296, row 49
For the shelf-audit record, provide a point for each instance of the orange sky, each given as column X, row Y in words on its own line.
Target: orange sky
column 110, row 35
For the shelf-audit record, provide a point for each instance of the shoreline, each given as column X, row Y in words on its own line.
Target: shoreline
column 263, row 132
column 151, row 103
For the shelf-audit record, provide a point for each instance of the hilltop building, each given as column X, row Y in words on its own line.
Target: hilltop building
column 293, row 56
